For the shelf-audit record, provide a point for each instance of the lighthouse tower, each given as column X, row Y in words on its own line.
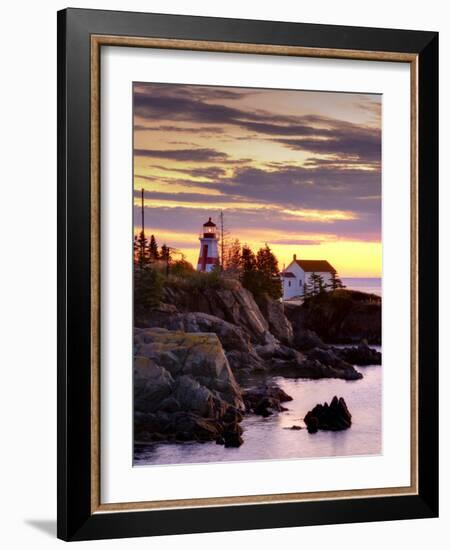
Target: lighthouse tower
column 209, row 255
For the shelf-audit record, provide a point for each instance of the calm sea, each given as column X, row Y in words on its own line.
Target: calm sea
column 270, row 438
column 363, row 284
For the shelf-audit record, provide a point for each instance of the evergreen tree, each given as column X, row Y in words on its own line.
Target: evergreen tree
column 267, row 262
column 260, row 273
column 166, row 256
column 141, row 250
column 165, row 253
column 316, row 284
column 248, row 260
column 147, row 289
column 267, row 265
column 153, row 249
column 335, row 281
column 308, row 288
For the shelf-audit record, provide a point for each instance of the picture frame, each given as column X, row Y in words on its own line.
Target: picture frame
column 81, row 36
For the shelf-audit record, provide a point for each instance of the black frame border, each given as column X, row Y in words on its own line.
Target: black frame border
column 75, row 520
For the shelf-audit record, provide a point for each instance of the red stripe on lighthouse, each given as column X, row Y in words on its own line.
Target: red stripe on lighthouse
column 204, row 256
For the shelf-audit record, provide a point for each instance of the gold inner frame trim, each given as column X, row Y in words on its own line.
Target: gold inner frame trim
column 97, row 41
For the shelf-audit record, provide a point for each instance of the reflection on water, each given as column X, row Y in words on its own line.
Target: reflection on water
column 268, row 438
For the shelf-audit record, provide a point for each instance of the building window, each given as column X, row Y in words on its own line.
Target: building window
column 289, row 283
column 300, row 283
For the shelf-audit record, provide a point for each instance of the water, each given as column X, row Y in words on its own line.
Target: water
column 363, row 284
column 267, row 438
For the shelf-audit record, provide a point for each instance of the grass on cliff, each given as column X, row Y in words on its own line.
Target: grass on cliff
column 341, row 296
column 197, row 281
column 181, row 275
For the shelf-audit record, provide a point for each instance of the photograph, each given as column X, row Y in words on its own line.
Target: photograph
column 257, row 274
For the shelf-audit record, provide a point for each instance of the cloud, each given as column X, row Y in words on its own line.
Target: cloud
column 336, row 189
column 358, row 146
column 172, row 128
column 183, row 198
column 207, row 172
column 193, row 155
column 290, row 188
column 247, row 222
column 313, row 133
column 295, row 187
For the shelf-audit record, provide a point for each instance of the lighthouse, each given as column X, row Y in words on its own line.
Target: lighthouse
column 209, row 255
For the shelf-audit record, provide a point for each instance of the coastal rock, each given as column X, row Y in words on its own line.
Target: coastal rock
column 231, row 336
column 243, row 363
column 342, row 316
column 243, row 332
column 279, row 324
column 361, row 355
column 264, row 400
column 333, row 417
column 305, row 340
column 184, row 388
column 317, row 363
column 233, row 304
column 239, row 350
column 152, row 385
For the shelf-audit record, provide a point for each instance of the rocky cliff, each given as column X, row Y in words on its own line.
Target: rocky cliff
column 255, row 338
column 184, row 388
column 199, row 354
column 342, row 316
column 233, row 304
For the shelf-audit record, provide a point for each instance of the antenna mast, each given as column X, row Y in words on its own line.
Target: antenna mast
column 142, row 209
column 222, row 245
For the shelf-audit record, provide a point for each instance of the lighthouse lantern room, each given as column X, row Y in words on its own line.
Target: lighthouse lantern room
column 209, row 254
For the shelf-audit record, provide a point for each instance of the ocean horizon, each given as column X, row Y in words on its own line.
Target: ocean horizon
column 363, row 284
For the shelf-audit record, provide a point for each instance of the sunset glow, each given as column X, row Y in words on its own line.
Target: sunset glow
column 298, row 170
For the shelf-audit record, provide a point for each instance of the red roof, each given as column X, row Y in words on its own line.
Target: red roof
column 315, row 266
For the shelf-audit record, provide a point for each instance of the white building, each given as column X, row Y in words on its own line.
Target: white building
column 209, row 253
column 297, row 274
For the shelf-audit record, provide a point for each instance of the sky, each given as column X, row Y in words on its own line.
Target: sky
column 298, row 170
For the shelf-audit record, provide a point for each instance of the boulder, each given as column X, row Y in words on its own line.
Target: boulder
column 317, row 363
column 305, row 340
column 243, row 363
column 361, row 355
column 152, row 385
column 279, row 324
column 233, row 304
column 264, row 400
column 231, row 336
column 236, row 342
column 334, row 416
column 184, row 388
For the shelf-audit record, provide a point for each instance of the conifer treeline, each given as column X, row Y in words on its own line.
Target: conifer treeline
column 316, row 284
column 258, row 273
column 146, row 251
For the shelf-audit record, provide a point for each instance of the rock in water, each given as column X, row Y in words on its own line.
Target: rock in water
column 333, row 417
column 314, row 364
column 264, row 400
column 361, row 355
